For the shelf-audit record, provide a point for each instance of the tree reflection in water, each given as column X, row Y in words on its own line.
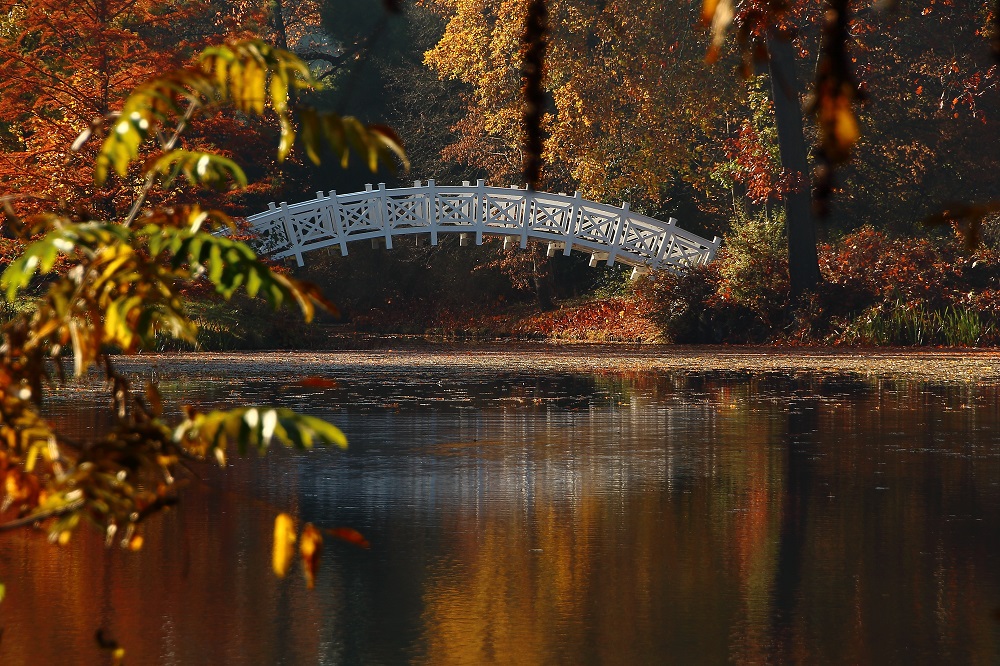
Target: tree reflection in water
column 539, row 518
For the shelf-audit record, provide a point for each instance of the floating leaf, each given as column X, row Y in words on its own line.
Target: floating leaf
column 317, row 382
column 349, row 535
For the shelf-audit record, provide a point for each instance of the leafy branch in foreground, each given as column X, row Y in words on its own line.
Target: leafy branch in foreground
column 254, row 77
column 123, row 290
column 105, row 287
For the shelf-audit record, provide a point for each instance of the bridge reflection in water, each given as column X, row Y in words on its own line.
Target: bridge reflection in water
column 609, row 233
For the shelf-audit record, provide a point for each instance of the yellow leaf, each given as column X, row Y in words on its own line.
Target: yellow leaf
column 279, row 92
column 284, row 544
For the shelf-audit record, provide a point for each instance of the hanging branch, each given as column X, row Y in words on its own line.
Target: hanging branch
column 837, row 92
column 533, row 43
column 995, row 37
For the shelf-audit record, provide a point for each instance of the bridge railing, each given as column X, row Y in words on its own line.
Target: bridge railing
column 566, row 222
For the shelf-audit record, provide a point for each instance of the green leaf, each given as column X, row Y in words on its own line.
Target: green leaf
column 257, row 427
column 201, row 168
column 39, row 257
column 251, row 75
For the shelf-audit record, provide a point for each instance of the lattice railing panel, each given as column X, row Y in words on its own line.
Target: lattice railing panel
column 357, row 218
column 456, row 209
column 409, row 211
column 555, row 218
column 597, row 226
column 504, row 211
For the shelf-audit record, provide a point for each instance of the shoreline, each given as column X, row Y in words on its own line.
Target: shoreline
column 938, row 364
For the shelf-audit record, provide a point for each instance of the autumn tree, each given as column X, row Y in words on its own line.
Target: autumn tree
column 903, row 97
column 630, row 100
column 933, row 104
column 67, row 64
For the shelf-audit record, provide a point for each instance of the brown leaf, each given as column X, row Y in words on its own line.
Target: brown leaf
column 708, row 11
column 154, row 399
column 839, row 127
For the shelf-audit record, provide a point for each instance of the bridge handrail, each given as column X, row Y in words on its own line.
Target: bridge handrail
column 611, row 233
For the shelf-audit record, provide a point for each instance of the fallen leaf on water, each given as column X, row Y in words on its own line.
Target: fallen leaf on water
column 349, row 535
column 317, row 382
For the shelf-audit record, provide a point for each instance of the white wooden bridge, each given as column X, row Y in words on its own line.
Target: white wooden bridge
column 566, row 222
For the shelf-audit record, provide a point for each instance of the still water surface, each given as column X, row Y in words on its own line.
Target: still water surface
column 554, row 518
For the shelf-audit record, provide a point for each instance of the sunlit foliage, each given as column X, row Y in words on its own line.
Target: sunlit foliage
column 121, row 285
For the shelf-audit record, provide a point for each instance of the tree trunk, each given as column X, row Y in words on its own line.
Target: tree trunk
column 276, row 11
column 541, row 274
column 800, row 223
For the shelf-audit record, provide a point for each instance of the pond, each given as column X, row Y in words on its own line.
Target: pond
column 523, row 510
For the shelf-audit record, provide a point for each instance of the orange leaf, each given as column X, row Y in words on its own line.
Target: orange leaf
column 708, row 11
column 310, row 547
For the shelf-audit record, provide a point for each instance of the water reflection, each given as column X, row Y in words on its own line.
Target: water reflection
column 560, row 519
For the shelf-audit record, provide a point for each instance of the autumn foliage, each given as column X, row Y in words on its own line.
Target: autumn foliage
column 69, row 64
column 870, row 278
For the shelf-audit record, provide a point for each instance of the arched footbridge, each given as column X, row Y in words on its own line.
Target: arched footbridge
column 379, row 214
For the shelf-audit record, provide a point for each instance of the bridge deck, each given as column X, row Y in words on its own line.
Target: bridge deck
column 566, row 222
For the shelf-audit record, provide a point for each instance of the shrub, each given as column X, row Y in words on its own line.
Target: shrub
column 876, row 289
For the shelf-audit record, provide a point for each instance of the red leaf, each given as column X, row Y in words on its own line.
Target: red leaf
column 349, row 535
column 317, row 382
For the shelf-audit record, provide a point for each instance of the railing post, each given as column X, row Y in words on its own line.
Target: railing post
column 431, row 209
column 383, row 211
column 666, row 249
column 574, row 223
column 479, row 197
column 619, row 231
column 333, row 212
column 710, row 255
column 528, row 216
